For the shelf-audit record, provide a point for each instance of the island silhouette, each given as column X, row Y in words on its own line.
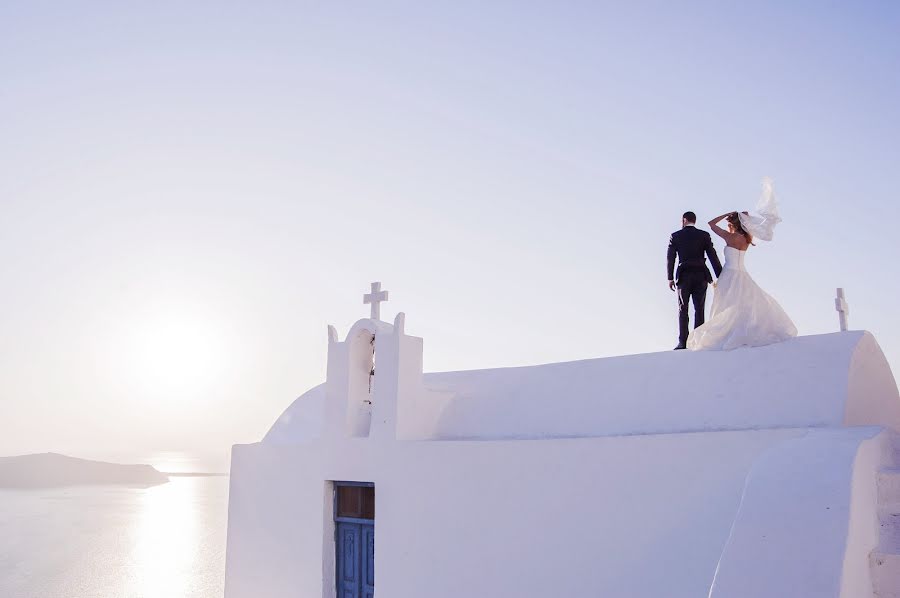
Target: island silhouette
column 52, row 470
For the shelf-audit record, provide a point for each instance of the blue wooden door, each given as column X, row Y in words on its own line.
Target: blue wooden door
column 355, row 560
column 354, row 517
column 368, row 561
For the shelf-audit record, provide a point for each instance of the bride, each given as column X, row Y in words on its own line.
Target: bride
column 743, row 315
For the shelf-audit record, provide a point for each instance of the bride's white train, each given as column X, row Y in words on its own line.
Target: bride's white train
column 744, row 315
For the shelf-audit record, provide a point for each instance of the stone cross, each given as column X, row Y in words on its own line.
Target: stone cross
column 375, row 298
column 840, row 304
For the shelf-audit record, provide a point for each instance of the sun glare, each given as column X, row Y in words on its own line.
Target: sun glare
column 175, row 356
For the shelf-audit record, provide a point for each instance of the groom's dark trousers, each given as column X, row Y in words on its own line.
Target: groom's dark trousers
column 691, row 289
column 691, row 246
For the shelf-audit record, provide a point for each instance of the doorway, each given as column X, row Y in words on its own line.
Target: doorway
column 354, row 519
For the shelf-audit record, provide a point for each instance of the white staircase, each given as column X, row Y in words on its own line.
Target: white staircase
column 885, row 560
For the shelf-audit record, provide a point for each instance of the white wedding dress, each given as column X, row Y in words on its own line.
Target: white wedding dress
column 743, row 315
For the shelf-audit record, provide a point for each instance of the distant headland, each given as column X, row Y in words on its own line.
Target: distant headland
column 52, row 470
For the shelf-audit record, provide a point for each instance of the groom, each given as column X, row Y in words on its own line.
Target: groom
column 690, row 244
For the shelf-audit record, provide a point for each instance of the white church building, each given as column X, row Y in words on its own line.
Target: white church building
column 775, row 473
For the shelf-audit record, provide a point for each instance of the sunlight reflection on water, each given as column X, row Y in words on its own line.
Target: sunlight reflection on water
column 166, row 541
column 165, row 551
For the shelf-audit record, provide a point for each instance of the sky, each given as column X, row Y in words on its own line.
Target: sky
column 191, row 192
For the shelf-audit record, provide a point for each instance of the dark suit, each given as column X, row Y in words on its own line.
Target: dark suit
column 691, row 245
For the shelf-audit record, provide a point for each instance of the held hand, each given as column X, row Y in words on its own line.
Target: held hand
column 672, row 285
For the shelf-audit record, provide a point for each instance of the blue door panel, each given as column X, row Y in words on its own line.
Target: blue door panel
column 348, row 535
column 368, row 561
column 355, row 560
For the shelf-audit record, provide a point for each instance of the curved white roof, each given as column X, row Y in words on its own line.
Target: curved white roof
column 814, row 381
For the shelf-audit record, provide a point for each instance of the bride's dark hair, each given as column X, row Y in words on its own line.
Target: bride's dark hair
column 735, row 220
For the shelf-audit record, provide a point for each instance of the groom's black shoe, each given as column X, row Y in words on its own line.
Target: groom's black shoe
column 678, row 347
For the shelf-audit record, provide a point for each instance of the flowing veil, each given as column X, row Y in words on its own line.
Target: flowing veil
column 763, row 225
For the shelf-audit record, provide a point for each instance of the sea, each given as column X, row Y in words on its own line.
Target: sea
column 165, row 541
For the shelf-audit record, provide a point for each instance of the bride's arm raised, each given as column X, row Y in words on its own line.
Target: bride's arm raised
column 714, row 226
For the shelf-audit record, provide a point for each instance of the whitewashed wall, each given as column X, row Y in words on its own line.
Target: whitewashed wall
column 612, row 477
column 807, row 519
column 628, row 516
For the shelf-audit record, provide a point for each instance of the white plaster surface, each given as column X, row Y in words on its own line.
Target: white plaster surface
column 304, row 420
column 628, row 516
column 812, row 381
column 807, row 519
column 625, row 476
column 806, row 381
